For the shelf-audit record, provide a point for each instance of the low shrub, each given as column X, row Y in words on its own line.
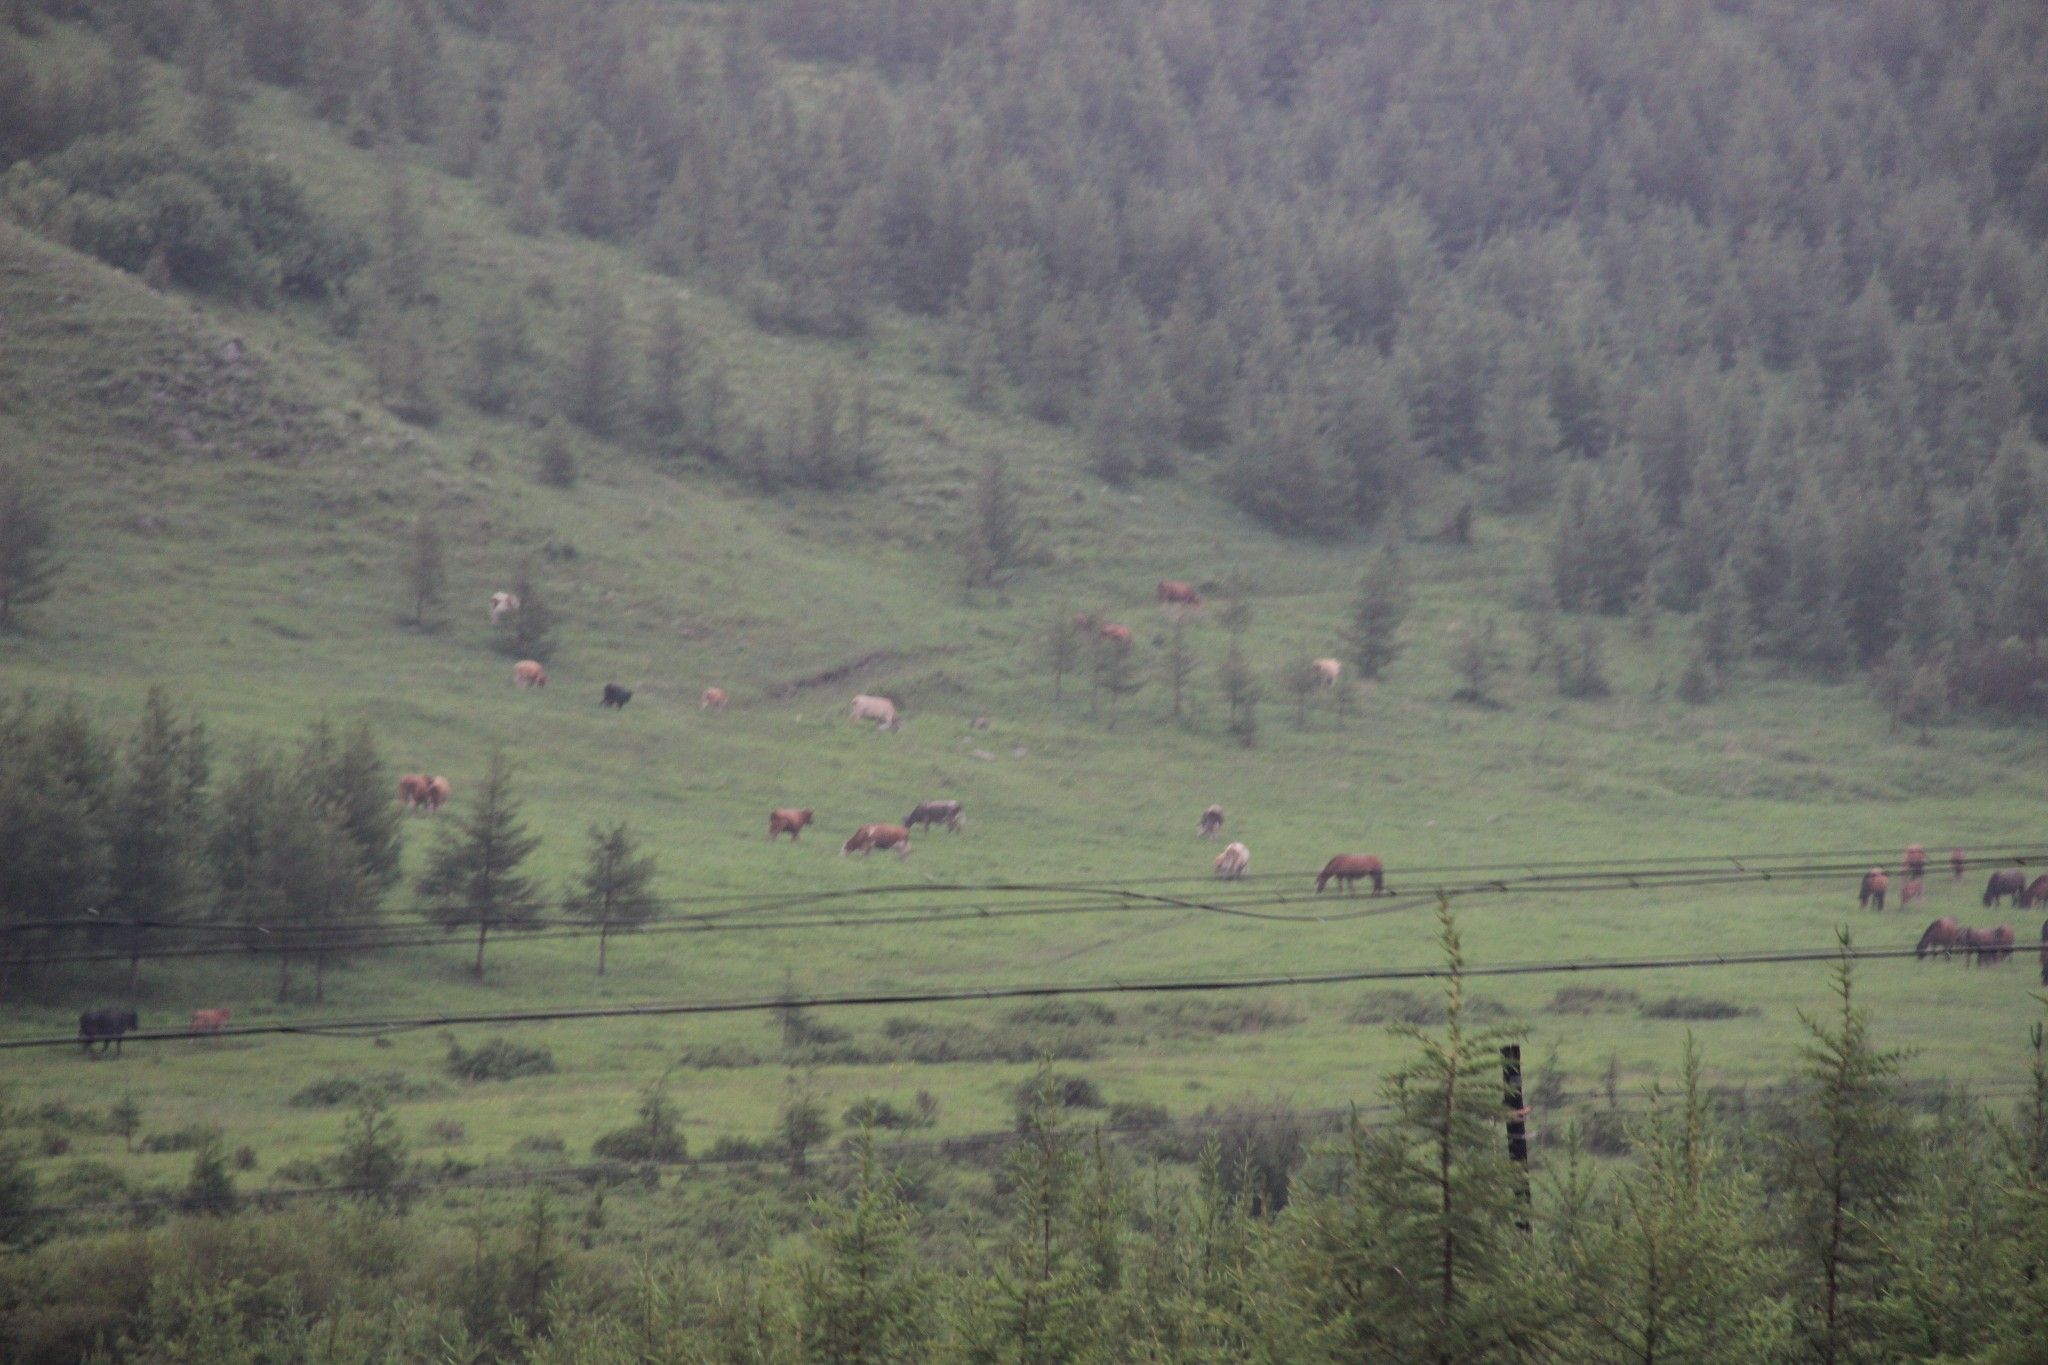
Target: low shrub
column 541, row 1144
column 1063, row 1014
column 500, row 1059
column 871, row 1111
column 1592, row 1000
column 448, row 1132
column 331, row 1091
column 1132, row 1115
column 1692, row 1007
column 1068, row 1092
column 718, row 1057
column 179, row 1140
column 731, row 1148
column 1208, row 1019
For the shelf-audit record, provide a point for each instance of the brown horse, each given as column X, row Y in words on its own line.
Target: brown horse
column 2008, row 881
column 1916, row 860
column 1912, row 889
column 1941, row 934
column 1212, row 823
column 2036, row 892
column 1875, row 883
column 1347, row 868
column 1991, row 946
column 1957, row 863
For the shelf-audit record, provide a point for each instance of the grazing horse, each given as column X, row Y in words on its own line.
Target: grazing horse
column 2036, row 893
column 785, row 821
column 1942, row 934
column 210, row 1021
column 868, row 838
column 1915, row 860
column 1232, row 861
column 1957, row 863
column 1212, row 823
column 412, row 790
column 1913, row 889
column 105, row 1026
column 929, row 813
column 1991, row 946
column 1874, row 885
column 1347, row 868
column 2007, row 881
column 528, row 673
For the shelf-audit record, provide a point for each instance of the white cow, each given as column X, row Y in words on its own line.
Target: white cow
column 1328, row 670
column 1232, row 861
column 503, row 604
column 880, row 710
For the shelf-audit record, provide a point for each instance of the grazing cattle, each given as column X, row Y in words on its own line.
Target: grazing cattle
column 978, row 723
column 714, row 699
column 1346, row 868
column 412, row 790
column 868, row 838
column 438, row 792
column 1232, row 861
column 1174, row 593
column 528, row 673
column 880, row 710
column 1212, row 823
column 790, row 822
column 1912, row 889
column 1941, row 934
column 1874, row 886
column 1957, row 864
column 1328, row 671
column 105, row 1026
column 2035, row 894
column 503, row 604
column 929, row 813
column 1915, row 860
column 2007, row 881
column 615, row 697
column 1116, row 635
column 210, row 1021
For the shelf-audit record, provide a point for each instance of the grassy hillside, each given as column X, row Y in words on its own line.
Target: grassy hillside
column 234, row 531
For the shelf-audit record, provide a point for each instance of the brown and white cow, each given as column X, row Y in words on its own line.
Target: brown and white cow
column 1328, row 671
column 1174, row 593
column 528, row 673
column 503, row 604
column 210, row 1021
column 438, row 791
column 1346, row 868
column 931, row 813
column 868, row 838
column 786, row 821
column 1212, row 823
column 714, row 699
column 1232, row 861
column 880, row 710
column 412, row 790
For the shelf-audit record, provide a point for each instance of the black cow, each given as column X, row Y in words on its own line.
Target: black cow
column 616, row 696
column 105, row 1026
column 2008, row 881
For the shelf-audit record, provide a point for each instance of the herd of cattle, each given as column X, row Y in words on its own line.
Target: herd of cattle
column 1947, row 936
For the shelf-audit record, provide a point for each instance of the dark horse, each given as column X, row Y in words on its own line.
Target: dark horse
column 2007, row 881
column 1941, row 934
column 105, row 1026
column 2036, row 892
column 1875, row 883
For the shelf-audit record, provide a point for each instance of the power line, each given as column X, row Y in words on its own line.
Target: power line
column 1043, row 990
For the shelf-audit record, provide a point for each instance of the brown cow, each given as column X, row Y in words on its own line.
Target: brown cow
column 1174, row 593
column 1874, row 885
column 1916, row 860
column 2007, row 881
column 210, row 1021
column 528, row 673
column 868, row 838
column 2036, row 893
column 412, row 790
column 1212, row 823
column 1232, row 861
column 1347, row 868
column 1119, row 636
column 789, row 822
column 1941, row 934
column 714, row 699
column 438, row 792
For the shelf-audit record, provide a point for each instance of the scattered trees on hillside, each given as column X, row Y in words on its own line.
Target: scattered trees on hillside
column 473, row 877
column 28, row 563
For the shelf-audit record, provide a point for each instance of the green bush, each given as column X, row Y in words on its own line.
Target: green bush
column 499, row 1060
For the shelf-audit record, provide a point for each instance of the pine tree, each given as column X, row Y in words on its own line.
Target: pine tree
column 1000, row 541
column 1721, row 629
column 27, row 564
column 671, row 362
column 594, row 379
column 473, row 877
column 1241, row 693
column 1582, row 669
column 499, row 351
column 426, row 571
column 1302, row 680
column 557, row 465
column 864, row 1294
column 1478, row 658
column 615, row 891
column 210, row 1188
column 156, row 819
column 403, row 259
column 1177, row 664
column 592, row 192
column 1061, row 643
column 371, row 1163
column 528, row 633
column 1376, row 616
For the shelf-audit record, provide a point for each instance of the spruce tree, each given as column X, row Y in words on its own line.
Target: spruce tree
column 27, row 534
column 528, row 633
column 671, row 363
column 1177, row 665
column 593, row 380
column 615, row 892
column 1478, row 658
column 1376, row 616
column 863, row 1293
column 156, row 823
column 499, row 350
column 999, row 541
column 473, row 876
column 426, row 570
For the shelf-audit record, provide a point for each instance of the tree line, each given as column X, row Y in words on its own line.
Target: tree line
column 120, row 845
column 1835, row 1222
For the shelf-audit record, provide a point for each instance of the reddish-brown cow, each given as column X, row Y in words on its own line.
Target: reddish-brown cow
column 790, row 822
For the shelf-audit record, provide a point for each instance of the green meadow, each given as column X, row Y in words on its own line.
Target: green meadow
column 236, row 533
